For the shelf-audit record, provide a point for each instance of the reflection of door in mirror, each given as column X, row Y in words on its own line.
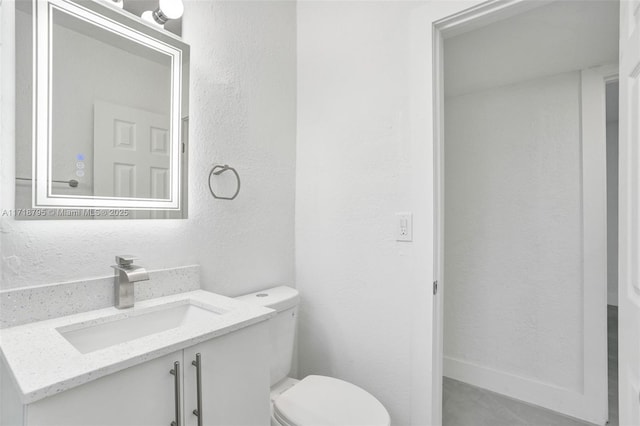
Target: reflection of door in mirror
column 131, row 153
column 92, row 64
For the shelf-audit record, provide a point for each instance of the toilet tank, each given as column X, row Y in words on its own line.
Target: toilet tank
column 282, row 327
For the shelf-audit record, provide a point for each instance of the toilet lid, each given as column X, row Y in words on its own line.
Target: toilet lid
column 325, row 401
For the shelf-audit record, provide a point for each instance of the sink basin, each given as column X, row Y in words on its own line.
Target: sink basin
column 115, row 330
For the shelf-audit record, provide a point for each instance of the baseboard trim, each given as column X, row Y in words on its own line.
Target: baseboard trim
column 562, row 400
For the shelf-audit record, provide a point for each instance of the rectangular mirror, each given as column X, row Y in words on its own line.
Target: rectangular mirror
column 102, row 102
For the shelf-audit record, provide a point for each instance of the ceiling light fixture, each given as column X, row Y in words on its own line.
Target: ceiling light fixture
column 167, row 9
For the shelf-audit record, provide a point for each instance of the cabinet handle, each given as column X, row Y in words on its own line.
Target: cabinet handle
column 198, row 364
column 176, row 384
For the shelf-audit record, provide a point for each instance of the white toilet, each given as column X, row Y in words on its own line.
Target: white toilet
column 314, row 400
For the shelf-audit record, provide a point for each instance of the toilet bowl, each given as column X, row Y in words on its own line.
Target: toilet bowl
column 314, row 400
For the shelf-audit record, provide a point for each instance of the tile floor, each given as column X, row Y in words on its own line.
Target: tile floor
column 466, row 405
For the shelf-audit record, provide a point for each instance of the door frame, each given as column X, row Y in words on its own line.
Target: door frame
column 629, row 215
column 594, row 212
column 595, row 228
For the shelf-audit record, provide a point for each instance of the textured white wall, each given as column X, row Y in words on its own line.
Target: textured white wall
column 612, row 212
column 353, row 156
column 364, row 152
column 513, row 230
column 243, row 112
column 6, row 101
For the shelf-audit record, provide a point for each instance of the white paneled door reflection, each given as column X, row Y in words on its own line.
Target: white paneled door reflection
column 131, row 153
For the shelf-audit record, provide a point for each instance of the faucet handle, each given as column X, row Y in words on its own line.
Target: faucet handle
column 125, row 260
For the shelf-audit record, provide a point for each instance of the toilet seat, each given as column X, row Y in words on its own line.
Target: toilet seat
column 326, row 401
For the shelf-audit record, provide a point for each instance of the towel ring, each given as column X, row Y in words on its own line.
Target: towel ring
column 217, row 170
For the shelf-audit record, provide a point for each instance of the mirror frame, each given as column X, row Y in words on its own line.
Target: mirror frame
column 130, row 27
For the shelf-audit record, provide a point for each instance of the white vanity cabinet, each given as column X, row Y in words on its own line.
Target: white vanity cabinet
column 137, row 396
column 235, row 380
column 234, row 389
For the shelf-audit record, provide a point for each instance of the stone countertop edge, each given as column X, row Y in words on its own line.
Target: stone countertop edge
column 42, row 363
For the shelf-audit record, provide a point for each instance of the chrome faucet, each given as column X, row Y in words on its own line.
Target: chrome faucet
column 126, row 273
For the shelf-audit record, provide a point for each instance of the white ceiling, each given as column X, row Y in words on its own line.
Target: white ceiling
column 563, row 36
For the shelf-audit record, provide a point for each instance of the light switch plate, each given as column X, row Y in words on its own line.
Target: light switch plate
column 404, row 226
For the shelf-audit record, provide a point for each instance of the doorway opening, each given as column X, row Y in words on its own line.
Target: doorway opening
column 525, row 189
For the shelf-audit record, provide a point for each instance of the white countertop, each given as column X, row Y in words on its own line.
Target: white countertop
column 44, row 363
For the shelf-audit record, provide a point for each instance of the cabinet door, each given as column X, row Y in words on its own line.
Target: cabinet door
column 138, row 396
column 234, row 379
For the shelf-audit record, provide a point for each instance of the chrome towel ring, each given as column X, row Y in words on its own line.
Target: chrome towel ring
column 217, row 170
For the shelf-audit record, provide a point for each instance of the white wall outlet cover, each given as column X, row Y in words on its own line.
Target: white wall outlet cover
column 404, row 226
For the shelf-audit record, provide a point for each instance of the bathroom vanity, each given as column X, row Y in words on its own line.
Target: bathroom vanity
column 194, row 358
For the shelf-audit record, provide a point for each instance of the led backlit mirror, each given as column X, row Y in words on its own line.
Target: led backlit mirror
column 106, row 135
